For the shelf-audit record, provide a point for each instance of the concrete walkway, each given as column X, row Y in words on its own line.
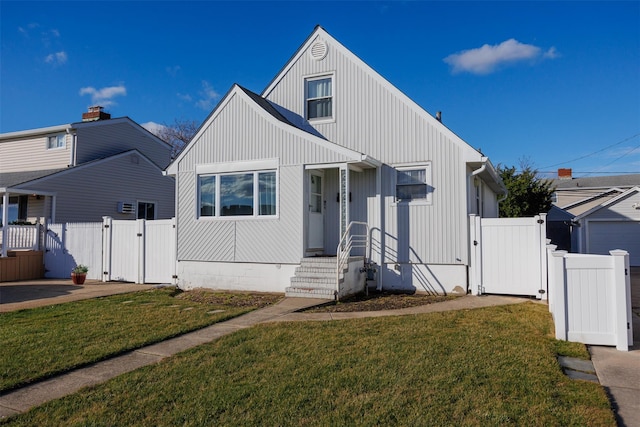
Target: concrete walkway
column 618, row 372
column 40, row 293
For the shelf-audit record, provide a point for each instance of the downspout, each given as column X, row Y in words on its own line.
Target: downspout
column 72, row 153
column 478, row 171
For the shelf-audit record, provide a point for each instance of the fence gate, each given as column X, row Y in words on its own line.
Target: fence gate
column 70, row 244
column 508, row 256
column 139, row 251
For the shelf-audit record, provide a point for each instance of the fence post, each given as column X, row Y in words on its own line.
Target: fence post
column 549, row 272
column 558, row 287
column 140, row 253
column 543, row 292
column 107, row 226
column 622, row 299
column 475, row 243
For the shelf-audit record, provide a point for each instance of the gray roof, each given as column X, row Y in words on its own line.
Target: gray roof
column 12, row 179
column 620, row 181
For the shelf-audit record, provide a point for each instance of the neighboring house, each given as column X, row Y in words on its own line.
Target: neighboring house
column 272, row 180
column 615, row 224
column 80, row 172
column 574, row 201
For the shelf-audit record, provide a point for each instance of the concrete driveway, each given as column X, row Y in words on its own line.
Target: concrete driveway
column 39, row 293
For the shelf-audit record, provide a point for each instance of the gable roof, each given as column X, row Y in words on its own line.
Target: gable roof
column 12, row 181
column 320, row 33
column 271, row 114
column 612, row 181
column 609, row 202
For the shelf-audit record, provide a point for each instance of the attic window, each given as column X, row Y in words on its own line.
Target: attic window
column 319, row 98
column 318, row 50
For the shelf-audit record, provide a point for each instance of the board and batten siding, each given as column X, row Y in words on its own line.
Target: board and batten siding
column 105, row 138
column 14, row 152
column 240, row 132
column 374, row 118
column 87, row 193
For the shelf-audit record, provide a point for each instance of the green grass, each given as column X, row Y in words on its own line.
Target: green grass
column 38, row 343
column 492, row 366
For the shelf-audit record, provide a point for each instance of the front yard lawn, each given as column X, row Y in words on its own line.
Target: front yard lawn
column 38, row 343
column 491, row 366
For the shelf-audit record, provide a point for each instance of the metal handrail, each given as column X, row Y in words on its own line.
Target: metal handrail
column 349, row 241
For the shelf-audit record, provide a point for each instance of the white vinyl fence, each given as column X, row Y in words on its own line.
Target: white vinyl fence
column 590, row 298
column 70, row 244
column 138, row 251
column 508, row 256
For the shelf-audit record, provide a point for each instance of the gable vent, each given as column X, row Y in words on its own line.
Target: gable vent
column 126, row 208
column 318, row 50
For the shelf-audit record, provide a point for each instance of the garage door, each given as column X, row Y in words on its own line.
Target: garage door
column 607, row 235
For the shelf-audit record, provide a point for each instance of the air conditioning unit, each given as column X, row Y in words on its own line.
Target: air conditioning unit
column 126, row 208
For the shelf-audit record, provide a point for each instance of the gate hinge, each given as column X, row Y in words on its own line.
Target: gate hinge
column 106, row 226
column 540, row 221
column 175, row 276
column 626, row 272
column 475, row 243
column 105, row 272
column 139, row 234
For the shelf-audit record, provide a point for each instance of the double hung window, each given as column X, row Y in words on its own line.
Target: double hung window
column 252, row 193
column 319, row 98
column 414, row 184
column 56, row 141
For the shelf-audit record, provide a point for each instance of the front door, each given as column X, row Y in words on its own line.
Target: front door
column 316, row 210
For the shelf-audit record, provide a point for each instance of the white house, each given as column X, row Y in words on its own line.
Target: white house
column 270, row 183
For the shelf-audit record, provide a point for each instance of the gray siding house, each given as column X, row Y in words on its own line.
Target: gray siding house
column 80, row 172
column 272, row 186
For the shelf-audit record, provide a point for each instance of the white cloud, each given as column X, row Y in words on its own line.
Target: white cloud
column 57, row 58
column 173, row 71
column 153, row 127
column 486, row 59
column 104, row 96
column 184, row 97
column 207, row 96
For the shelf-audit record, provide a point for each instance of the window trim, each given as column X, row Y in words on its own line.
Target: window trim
column 57, row 137
column 220, row 170
column 306, row 79
column 427, row 167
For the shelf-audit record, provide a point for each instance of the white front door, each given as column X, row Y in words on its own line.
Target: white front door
column 316, row 210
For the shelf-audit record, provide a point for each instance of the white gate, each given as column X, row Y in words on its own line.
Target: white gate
column 70, row 244
column 590, row 298
column 139, row 251
column 508, row 256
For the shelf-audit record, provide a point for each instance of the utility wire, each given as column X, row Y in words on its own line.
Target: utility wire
column 596, row 152
column 615, row 160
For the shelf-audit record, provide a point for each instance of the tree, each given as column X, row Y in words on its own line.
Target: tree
column 178, row 134
column 528, row 194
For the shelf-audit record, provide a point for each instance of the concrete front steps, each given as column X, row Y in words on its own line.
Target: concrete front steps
column 315, row 278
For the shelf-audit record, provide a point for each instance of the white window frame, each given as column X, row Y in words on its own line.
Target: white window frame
column 426, row 166
column 56, row 138
column 307, row 79
column 227, row 169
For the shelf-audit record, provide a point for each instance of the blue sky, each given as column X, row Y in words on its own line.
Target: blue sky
column 555, row 83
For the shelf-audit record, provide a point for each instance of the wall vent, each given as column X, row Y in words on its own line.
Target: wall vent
column 318, row 50
column 126, row 208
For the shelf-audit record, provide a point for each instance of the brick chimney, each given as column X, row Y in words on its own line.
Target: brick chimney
column 95, row 113
column 564, row 173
